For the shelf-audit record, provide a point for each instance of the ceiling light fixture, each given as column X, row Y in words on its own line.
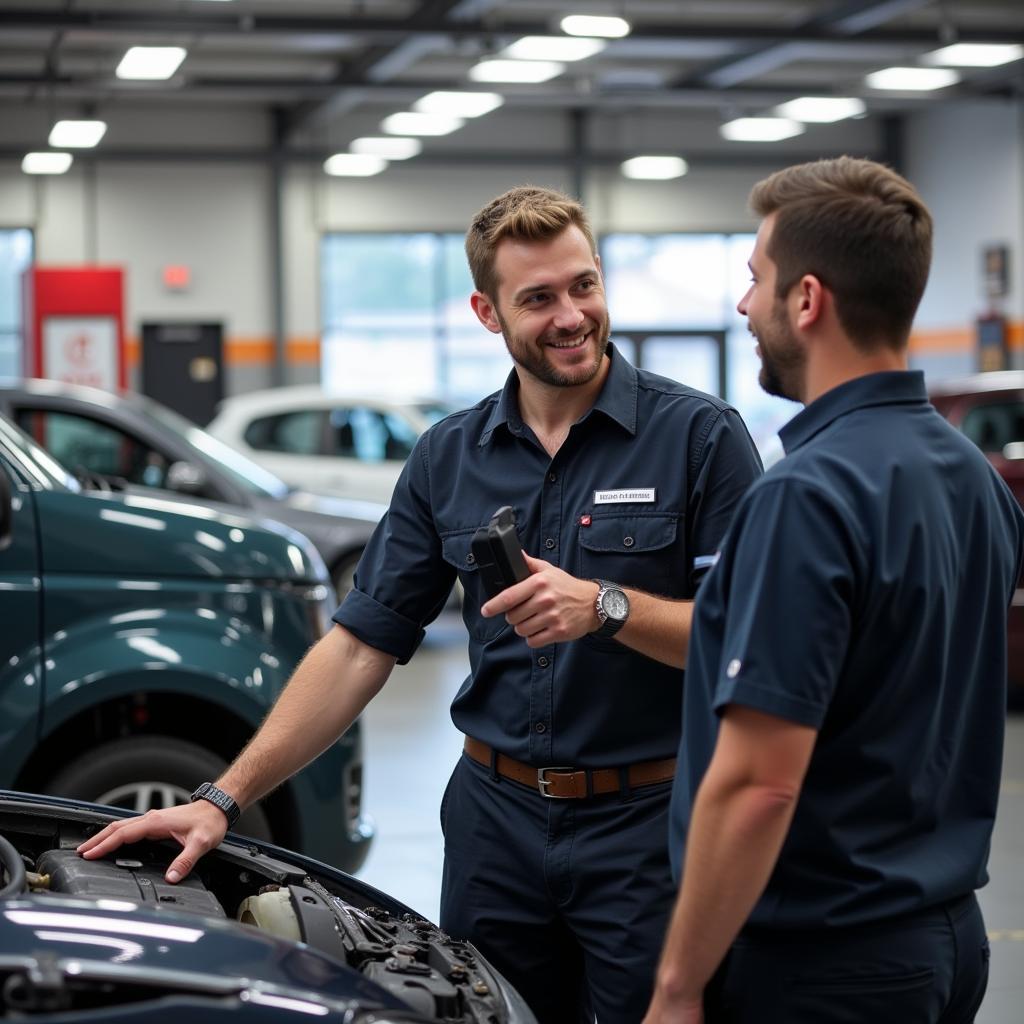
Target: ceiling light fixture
column 150, row 63
column 46, row 163
column 459, row 104
column 976, row 55
column 354, row 165
column 654, row 168
column 760, row 129
column 531, row 71
column 390, row 148
column 409, row 123
column 595, row 25
column 77, row 134
column 821, row 109
column 912, row 79
column 553, row 48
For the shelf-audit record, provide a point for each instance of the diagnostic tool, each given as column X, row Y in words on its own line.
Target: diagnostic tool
column 498, row 554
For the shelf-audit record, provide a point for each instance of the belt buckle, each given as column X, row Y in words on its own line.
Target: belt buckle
column 543, row 782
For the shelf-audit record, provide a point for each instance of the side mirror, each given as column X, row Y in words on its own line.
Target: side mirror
column 185, row 478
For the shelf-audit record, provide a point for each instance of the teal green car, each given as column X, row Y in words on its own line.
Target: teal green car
column 144, row 640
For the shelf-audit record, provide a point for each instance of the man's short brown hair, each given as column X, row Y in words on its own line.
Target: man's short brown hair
column 862, row 230
column 525, row 214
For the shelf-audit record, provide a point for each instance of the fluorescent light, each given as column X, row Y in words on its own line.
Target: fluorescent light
column 459, row 104
column 46, row 163
column 912, row 79
column 594, row 25
column 76, row 134
column 655, row 168
column 760, row 129
column 515, row 71
column 821, row 109
column 355, row 165
column 407, row 123
column 975, row 55
column 391, row 148
column 553, row 48
column 152, row 63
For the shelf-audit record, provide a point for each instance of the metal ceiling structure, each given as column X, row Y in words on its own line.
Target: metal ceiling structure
column 306, row 64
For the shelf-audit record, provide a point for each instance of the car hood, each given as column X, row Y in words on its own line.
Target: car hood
column 254, row 933
column 138, row 535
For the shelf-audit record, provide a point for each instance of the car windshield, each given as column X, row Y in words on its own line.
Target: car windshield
column 249, row 476
column 432, row 412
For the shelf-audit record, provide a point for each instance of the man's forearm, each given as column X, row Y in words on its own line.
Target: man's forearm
column 325, row 695
column 658, row 627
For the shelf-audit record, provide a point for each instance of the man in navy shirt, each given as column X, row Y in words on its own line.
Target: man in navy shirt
column 622, row 484
column 845, row 697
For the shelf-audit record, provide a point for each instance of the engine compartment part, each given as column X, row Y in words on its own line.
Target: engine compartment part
column 114, row 932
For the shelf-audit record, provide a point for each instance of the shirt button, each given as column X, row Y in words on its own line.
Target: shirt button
column 542, row 661
column 549, row 543
column 552, row 477
column 628, row 542
column 540, row 727
column 470, row 558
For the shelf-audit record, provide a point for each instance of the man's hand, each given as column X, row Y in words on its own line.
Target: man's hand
column 548, row 607
column 198, row 827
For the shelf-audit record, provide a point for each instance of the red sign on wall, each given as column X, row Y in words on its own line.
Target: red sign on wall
column 74, row 325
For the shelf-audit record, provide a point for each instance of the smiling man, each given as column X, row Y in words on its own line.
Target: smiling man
column 623, row 482
column 846, row 686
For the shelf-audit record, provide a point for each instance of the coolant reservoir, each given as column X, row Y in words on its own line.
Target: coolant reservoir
column 271, row 912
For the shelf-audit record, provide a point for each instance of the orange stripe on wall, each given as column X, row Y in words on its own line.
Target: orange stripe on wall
column 241, row 351
column 961, row 339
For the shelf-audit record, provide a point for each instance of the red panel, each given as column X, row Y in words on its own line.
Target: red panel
column 72, row 291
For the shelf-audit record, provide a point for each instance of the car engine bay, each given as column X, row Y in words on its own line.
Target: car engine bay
column 235, row 890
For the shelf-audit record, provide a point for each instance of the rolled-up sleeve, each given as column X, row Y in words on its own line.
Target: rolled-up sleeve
column 402, row 581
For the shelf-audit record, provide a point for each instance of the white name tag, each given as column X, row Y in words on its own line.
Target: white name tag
column 624, row 496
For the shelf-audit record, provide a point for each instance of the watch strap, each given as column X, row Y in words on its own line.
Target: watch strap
column 216, row 796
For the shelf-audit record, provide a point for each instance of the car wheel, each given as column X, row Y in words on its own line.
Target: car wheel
column 143, row 773
column 343, row 574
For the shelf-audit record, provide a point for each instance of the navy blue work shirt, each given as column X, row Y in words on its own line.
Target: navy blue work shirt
column 863, row 591
column 640, row 493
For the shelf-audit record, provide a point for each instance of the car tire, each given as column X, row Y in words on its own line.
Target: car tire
column 343, row 574
column 144, row 772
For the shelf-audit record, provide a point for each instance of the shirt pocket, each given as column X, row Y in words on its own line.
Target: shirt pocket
column 643, row 551
column 457, row 551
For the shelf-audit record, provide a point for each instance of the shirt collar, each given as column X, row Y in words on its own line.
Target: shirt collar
column 891, row 387
column 617, row 400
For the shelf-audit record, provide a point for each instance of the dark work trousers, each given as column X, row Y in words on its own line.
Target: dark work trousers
column 928, row 968
column 569, row 899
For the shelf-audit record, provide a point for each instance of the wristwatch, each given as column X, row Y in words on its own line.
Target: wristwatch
column 612, row 609
column 216, row 796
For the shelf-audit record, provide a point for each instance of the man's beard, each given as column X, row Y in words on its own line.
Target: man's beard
column 532, row 355
column 782, row 358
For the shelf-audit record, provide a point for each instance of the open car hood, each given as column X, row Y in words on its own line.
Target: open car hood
column 113, row 938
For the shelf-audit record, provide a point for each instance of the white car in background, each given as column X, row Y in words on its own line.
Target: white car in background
column 353, row 446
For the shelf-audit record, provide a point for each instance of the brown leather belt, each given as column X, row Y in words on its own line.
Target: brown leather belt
column 571, row 783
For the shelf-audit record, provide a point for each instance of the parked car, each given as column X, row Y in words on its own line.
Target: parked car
column 144, row 640
column 989, row 409
column 254, row 934
column 350, row 446
column 127, row 439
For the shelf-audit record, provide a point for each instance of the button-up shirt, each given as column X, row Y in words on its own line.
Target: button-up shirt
column 639, row 494
column 862, row 591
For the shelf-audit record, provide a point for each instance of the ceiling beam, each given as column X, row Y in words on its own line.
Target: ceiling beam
column 116, row 21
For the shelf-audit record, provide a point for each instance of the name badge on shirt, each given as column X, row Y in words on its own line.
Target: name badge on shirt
column 625, row 495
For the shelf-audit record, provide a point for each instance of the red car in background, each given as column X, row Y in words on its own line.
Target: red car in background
column 989, row 409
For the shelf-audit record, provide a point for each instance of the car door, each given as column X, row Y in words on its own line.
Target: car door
column 21, row 661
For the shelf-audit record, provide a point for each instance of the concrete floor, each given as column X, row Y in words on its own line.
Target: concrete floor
column 411, row 746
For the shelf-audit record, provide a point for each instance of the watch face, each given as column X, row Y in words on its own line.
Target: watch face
column 615, row 604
